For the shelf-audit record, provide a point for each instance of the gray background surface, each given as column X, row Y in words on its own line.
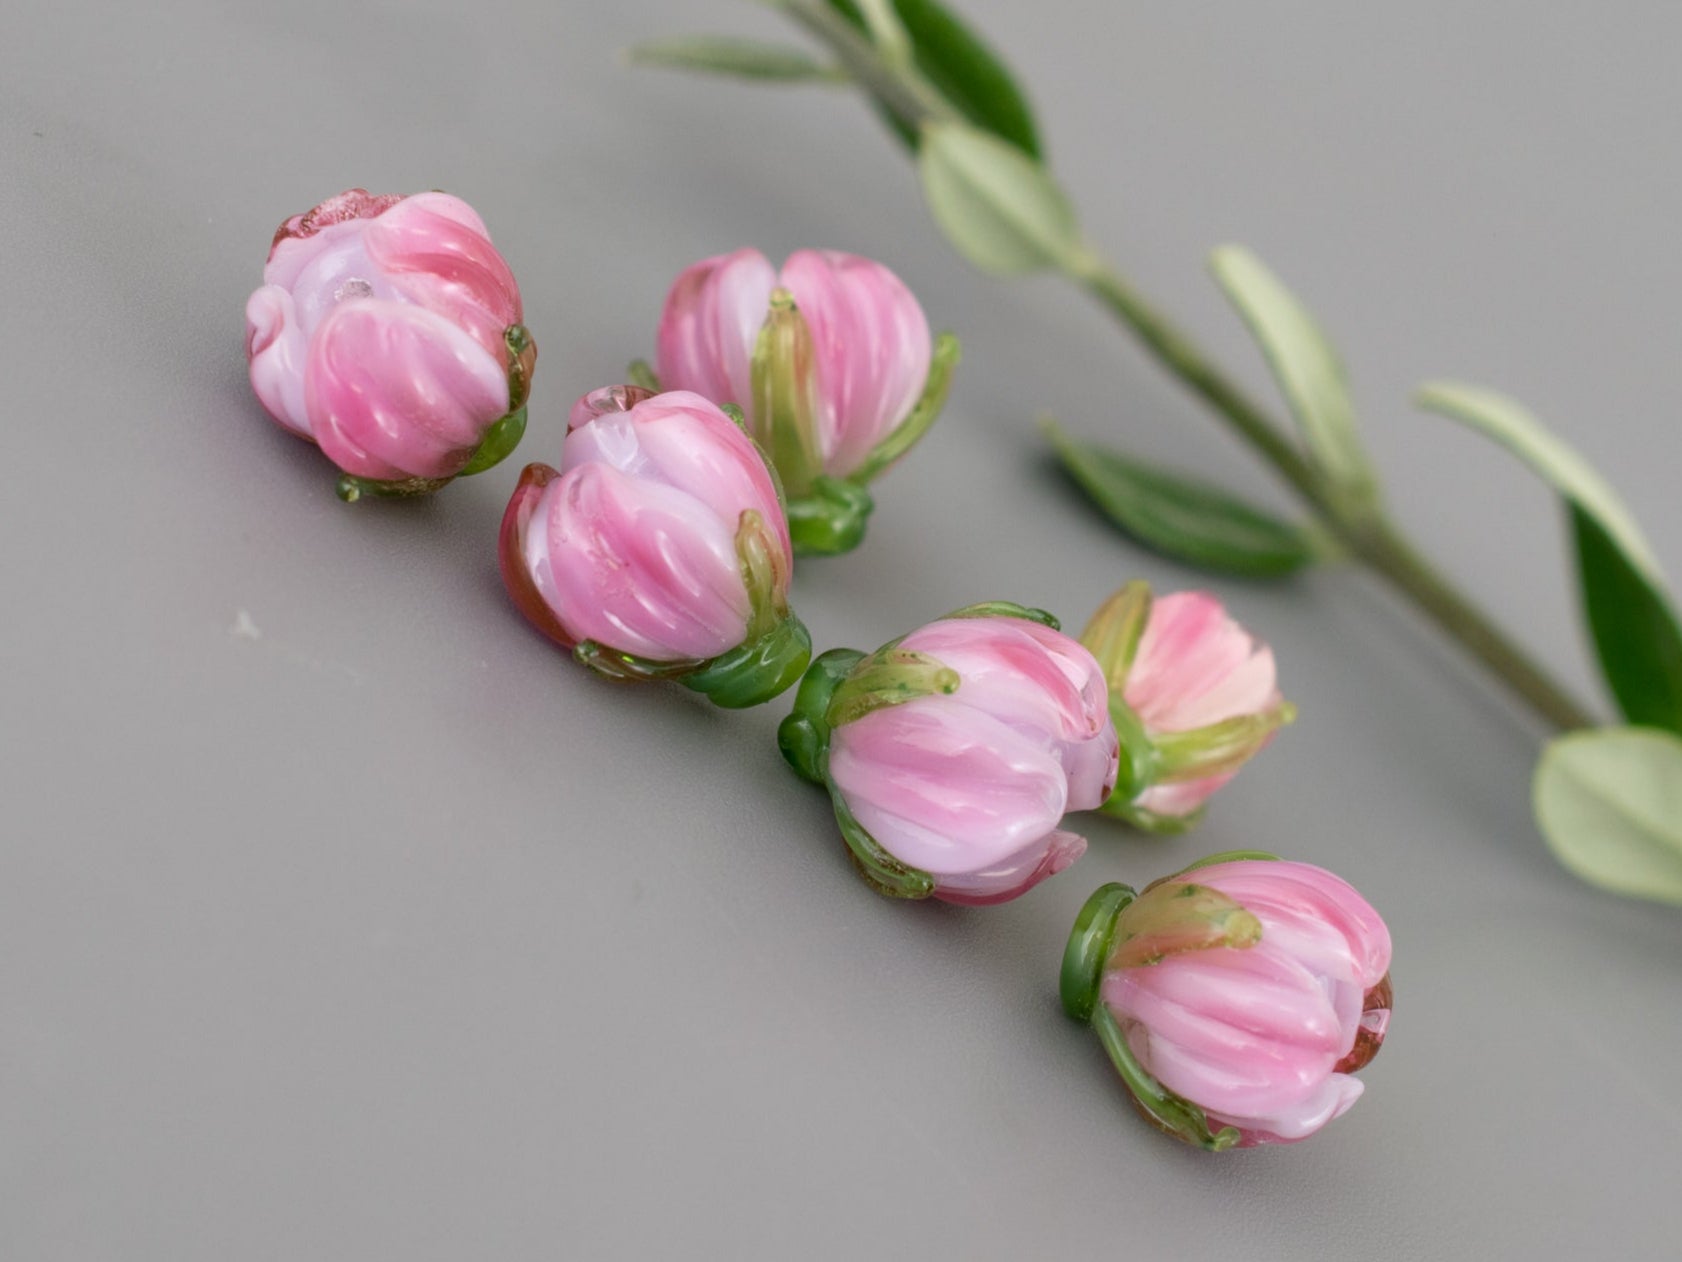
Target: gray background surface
column 386, row 933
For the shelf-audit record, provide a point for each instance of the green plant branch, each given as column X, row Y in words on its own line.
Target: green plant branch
column 1377, row 542
column 1365, row 532
column 897, row 85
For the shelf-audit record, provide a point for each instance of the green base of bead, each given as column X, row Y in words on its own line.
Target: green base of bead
column 830, row 519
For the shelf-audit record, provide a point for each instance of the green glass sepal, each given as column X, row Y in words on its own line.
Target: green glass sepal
column 1172, row 1113
column 803, row 737
column 1148, row 821
column 1176, row 917
column 1140, row 763
column 499, row 443
column 755, row 672
column 610, row 663
column 830, row 519
column 747, row 675
column 522, row 359
column 880, row 870
column 784, row 406
column 1113, row 633
column 1225, row 856
column 1219, row 747
column 1007, row 609
column 904, row 436
column 888, row 677
column 639, row 373
column 351, row 488
column 1089, row 947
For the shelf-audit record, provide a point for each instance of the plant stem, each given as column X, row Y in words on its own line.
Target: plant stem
column 1364, row 531
column 896, row 84
column 1375, row 541
column 1180, row 356
column 1389, row 553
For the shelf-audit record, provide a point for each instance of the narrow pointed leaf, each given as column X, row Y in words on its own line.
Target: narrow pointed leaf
column 1558, row 464
column 961, row 68
column 1609, row 802
column 1625, row 599
column 1634, row 628
column 1308, row 370
column 999, row 208
column 1184, row 518
column 724, row 55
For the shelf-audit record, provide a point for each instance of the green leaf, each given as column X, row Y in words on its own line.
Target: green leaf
column 1625, row 599
column 720, row 54
column 962, row 69
column 1511, row 425
column 1000, row 208
column 1634, row 628
column 1609, row 802
column 1185, row 519
column 1308, row 370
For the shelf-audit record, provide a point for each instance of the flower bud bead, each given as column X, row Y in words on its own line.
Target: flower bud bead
column 388, row 332
column 831, row 361
column 658, row 550
column 1237, row 998
column 1194, row 697
column 952, row 755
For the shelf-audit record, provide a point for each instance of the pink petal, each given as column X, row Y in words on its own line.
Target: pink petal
column 434, row 249
column 1285, row 894
column 638, row 566
column 1175, row 801
column 709, row 326
column 1015, row 876
column 394, row 391
column 521, row 523
column 872, row 348
column 1039, row 682
column 1196, row 666
column 1297, row 1121
column 681, row 440
column 278, row 350
column 946, row 788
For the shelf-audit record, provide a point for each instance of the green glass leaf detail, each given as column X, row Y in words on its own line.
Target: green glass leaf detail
column 1184, row 518
column 1176, row 917
column 757, row 671
column 888, row 677
column 941, row 364
column 1088, row 949
column 961, row 68
column 1172, row 1113
column 1307, row 368
column 884, row 873
column 499, row 443
column 640, row 373
column 1625, row 599
column 351, row 488
column 725, row 55
column 1609, row 802
column 1000, row 209
column 831, row 519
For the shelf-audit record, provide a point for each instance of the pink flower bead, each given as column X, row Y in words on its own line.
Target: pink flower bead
column 870, row 338
column 659, row 546
column 1194, row 675
column 831, row 361
column 387, row 331
column 1251, row 990
column 954, row 753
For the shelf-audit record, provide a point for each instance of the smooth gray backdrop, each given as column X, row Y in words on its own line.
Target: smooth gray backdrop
column 343, row 918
